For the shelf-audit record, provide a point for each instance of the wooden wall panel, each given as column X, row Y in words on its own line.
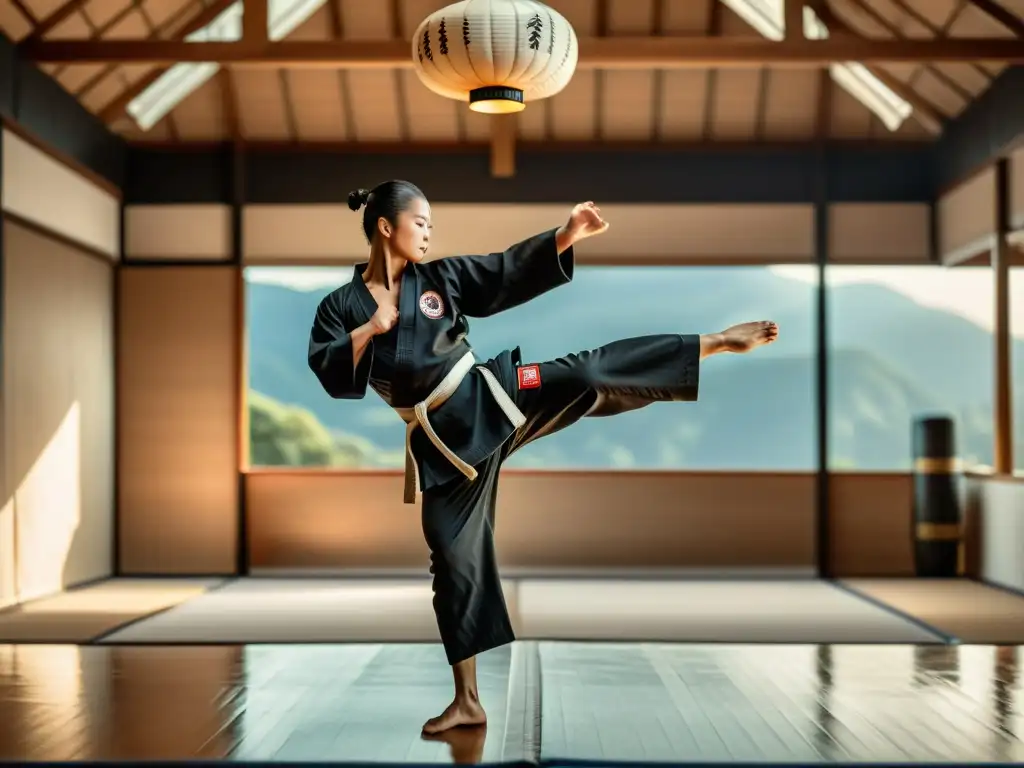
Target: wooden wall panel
column 48, row 194
column 58, row 415
column 870, row 524
column 179, row 232
column 320, row 520
column 727, row 234
column 732, row 521
column 967, row 218
column 178, row 358
column 886, row 233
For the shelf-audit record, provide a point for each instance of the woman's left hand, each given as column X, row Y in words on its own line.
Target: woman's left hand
column 585, row 221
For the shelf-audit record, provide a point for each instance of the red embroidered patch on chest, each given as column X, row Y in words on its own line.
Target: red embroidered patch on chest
column 529, row 377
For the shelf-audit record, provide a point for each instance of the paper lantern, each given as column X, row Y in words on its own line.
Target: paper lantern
column 496, row 54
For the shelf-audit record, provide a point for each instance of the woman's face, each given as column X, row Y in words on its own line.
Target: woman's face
column 410, row 237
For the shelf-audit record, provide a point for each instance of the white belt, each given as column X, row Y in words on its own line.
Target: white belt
column 417, row 417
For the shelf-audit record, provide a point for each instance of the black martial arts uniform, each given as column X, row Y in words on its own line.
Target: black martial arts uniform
column 479, row 426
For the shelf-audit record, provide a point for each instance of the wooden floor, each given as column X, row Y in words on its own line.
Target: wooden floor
column 547, row 701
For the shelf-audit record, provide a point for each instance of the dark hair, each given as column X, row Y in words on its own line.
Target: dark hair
column 387, row 199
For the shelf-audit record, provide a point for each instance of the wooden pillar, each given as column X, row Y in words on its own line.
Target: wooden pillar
column 503, row 145
column 255, row 21
column 823, row 526
column 1003, row 411
column 793, row 14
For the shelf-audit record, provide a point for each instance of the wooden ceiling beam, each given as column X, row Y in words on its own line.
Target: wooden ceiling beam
column 595, row 53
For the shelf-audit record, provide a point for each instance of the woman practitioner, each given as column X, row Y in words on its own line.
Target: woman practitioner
column 400, row 326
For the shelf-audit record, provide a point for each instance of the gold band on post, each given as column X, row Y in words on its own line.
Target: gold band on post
column 944, row 466
column 939, row 532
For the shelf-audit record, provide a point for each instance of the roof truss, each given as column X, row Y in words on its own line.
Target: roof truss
column 256, row 49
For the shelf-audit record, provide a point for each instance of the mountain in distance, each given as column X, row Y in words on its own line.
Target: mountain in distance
column 891, row 359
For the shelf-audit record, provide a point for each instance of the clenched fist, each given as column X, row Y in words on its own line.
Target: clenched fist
column 384, row 319
column 585, row 221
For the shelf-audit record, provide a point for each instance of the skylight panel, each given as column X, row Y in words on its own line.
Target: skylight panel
column 768, row 18
column 181, row 80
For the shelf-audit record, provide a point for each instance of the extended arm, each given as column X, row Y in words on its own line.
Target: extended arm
column 340, row 359
column 486, row 285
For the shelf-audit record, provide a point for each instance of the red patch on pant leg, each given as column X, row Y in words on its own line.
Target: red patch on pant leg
column 529, row 377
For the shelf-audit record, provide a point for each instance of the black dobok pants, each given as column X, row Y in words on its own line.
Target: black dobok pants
column 458, row 516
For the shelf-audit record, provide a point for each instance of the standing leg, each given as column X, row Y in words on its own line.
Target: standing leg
column 458, row 524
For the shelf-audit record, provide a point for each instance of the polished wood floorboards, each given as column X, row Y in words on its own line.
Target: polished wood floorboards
column 627, row 702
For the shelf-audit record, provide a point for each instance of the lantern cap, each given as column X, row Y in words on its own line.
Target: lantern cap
column 496, row 100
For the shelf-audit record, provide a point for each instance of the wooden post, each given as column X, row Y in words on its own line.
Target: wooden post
column 503, row 146
column 1003, row 411
column 793, row 15
column 255, row 21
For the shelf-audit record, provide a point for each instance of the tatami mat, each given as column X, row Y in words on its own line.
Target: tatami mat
column 725, row 611
column 86, row 613
column 339, row 610
column 264, row 610
column 968, row 610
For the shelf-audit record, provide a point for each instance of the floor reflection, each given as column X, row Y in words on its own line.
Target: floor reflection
column 622, row 701
column 466, row 744
column 84, row 703
column 824, row 738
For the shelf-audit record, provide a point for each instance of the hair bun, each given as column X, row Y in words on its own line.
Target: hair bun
column 357, row 199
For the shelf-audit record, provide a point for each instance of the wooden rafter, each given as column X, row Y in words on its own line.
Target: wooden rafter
column 117, row 107
column 94, row 82
column 595, row 53
column 936, row 29
column 926, row 113
column 48, row 23
column 893, row 29
column 1001, row 14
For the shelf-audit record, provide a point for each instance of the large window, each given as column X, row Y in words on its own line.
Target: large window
column 906, row 342
column 756, row 412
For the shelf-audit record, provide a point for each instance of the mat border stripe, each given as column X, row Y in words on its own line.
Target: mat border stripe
column 945, row 637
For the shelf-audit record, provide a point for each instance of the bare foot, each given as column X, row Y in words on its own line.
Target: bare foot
column 459, row 712
column 745, row 336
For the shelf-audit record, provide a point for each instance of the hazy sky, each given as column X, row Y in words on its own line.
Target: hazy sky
column 965, row 291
